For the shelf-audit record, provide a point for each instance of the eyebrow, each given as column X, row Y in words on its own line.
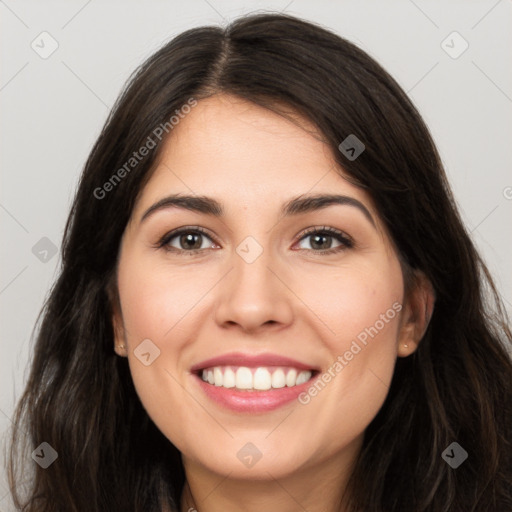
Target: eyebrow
column 296, row 206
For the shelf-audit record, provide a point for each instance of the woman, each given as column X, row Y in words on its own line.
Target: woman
column 267, row 299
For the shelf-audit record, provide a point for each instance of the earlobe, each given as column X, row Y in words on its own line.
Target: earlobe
column 120, row 350
column 119, row 337
column 119, row 331
column 416, row 314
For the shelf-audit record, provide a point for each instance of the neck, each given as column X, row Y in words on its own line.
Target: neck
column 318, row 488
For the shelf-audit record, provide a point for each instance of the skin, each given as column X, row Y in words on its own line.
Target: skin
column 292, row 301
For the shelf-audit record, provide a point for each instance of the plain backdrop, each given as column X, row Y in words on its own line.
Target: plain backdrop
column 53, row 107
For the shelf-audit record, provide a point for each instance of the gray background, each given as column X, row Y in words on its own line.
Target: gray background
column 53, row 109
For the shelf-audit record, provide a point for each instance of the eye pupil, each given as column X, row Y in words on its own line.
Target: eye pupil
column 190, row 238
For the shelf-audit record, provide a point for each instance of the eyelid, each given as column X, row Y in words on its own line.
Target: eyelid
column 325, row 229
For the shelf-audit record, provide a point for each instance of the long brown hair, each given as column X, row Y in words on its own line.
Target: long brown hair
column 457, row 387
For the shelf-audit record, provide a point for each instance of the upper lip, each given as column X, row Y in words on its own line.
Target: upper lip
column 251, row 361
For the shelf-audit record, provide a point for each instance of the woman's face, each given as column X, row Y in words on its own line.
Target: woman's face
column 279, row 289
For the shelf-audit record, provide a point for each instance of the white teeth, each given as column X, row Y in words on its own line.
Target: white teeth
column 243, row 378
column 217, row 376
column 229, row 378
column 278, row 379
column 261, row 379
column 303, row 377
column 291, row 378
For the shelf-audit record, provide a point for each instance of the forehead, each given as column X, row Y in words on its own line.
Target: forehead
column 244, row 154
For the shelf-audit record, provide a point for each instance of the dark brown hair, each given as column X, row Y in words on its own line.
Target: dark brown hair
column 456, row 387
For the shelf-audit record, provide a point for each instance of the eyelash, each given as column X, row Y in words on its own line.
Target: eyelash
column 345, row 240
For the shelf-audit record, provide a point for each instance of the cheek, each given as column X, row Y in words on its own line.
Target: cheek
column 361, row 307
column 158, row 305
column 351, row 299
column 150, row 308
column 154, row 301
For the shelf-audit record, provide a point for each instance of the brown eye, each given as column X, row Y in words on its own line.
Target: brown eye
column 187, row 240
column 190, row 241
column 326, row 240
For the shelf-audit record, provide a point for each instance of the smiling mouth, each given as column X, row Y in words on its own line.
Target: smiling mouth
column 263, row 378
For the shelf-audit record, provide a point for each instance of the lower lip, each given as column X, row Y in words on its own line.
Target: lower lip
column 252, row 401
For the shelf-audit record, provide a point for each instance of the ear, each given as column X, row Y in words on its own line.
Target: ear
column 120, row 344
column 417, row 312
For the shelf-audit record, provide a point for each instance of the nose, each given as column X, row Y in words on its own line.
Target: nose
column 255, row 295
